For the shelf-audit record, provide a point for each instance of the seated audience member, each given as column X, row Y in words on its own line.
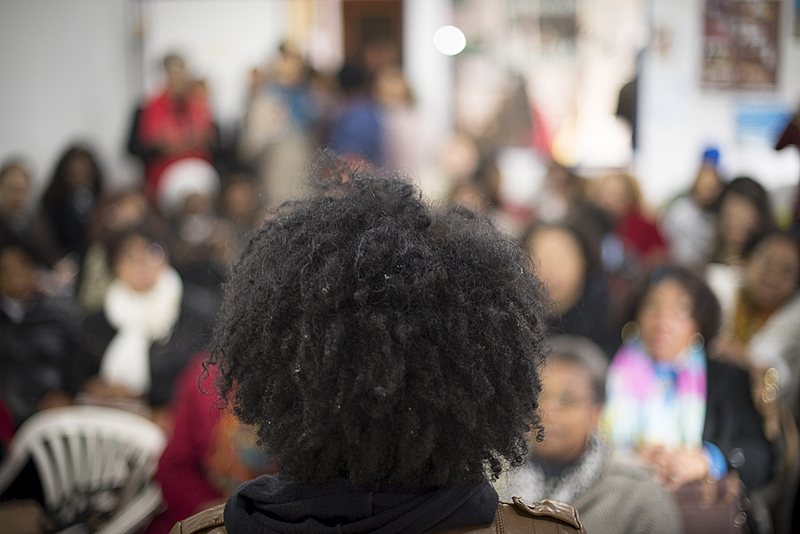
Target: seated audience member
column 150, row 325
column 689, row 221
column 388, row 356
column 577, row 287
column 743, row 209
column 761, row 316
column 613, row 492
column 692, row 417
column 38, row 336
column 240, row 205
column 70, row 198
column 619, row 195
column 204, row 244
column 113, row 213
column 209, row 454
column 17, row 220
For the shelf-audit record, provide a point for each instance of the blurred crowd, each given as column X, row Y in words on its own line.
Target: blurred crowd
column 676, row 349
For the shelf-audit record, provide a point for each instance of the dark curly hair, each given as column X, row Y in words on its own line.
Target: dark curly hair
column 370, row 338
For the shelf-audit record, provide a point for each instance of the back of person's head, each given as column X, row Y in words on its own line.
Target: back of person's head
column 353, row 78
column 371, row 338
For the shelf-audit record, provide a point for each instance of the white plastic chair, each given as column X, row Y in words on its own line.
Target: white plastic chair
column 96, row 467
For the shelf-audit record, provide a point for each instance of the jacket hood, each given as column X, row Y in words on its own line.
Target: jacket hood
column 269, row 505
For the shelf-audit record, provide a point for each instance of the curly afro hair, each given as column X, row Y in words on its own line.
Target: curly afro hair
column 370, row 338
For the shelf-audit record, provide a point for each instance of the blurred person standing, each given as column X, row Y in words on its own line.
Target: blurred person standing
column 174, row 124
column 279, row 124
column 402, row 123
column 356, row 131
column 614, row 492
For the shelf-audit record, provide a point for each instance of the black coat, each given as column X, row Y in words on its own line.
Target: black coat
column 35, row 353
column 734, row 425
column 190, row 335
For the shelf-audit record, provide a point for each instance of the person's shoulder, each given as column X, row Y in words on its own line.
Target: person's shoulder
column 209, row 521
column 522, row 516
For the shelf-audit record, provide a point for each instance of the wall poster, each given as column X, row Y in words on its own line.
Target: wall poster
column 741, row 45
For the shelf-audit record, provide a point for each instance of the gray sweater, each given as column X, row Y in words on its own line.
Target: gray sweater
column 624, row 499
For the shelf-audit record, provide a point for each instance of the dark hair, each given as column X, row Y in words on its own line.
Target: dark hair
column 754, row 192
column 760, row 237
column 370, row 338
column 173, row 59
column 584, row 353
column 352, row 78
column 705, row 306
column 591, row 260
column 9, row 241
column 147, row 230
column 58, row 191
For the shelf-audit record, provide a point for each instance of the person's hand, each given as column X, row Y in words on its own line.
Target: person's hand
column 676, row 467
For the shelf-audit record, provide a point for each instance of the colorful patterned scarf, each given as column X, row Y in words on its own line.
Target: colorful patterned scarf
column 656, row 403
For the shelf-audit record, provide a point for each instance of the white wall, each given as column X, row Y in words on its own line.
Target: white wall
column 221, row 40
column 63, row 72
column 429, row 72
column 678, row 118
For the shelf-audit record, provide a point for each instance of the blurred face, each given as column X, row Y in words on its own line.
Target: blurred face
column 240, row 201
column 17, row 273
column 79, row 171
column 666, row 325
column 197, row 204
column 738, row 218
column 707, row 186
column 614, row 196
column 569, row 412
column 14, row 191
column 560, row 263
column 178, row 82
column 139, row 263
column 772, row 272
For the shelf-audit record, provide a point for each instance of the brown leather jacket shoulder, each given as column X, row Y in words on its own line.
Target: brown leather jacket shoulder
column 519, row 517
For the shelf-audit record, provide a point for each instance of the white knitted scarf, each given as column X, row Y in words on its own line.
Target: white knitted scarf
column 140, row 319
column 531, row 482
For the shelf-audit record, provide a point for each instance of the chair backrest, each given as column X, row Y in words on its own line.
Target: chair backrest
column 91, row 460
